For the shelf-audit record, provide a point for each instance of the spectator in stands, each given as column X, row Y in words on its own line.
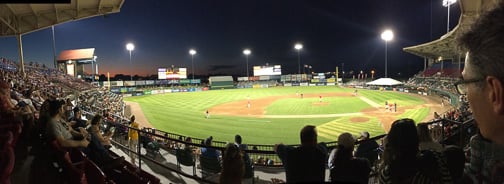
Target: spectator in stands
column 483, row 84
column 207, row 151
column 59, row 130
column 232, row 165
column 187, row 146
column 367, row 148
column 305, row 163
column 76, row 121
column 344, row 166
column 96, row 123
column 133, row 138
column 97, row 150
column 68, row 108
column 246, row 158
column 425, row 139
column 402, row 161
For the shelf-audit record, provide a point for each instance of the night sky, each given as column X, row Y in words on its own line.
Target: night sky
column 332, row 32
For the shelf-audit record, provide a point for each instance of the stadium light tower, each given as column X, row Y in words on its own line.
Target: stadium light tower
column 130, row 47
column 192, row 52
column 447, row 4
column 247, row 52
column 387, row 35
column 298, row 47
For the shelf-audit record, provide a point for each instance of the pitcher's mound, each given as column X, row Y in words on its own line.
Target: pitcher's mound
column 358, row 119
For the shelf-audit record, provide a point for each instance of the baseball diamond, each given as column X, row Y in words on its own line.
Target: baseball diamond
column 276, row 114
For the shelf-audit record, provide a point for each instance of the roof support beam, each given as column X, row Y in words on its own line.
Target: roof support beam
column 9, row 25
column 77, row 8
column 10, row 9
column 99, row 6
column 56, row 13
column 35, row 13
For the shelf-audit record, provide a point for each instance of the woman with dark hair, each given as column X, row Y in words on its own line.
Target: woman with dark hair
column 233, row 167
column 404, row 163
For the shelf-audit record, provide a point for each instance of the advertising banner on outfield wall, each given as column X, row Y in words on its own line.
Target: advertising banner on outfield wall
column 295, row 84
column 129, row 83
column 185, row 81
column 173, row 81
column 167, row 91
column 287, row 84
column 148, row 92
column 303, row 84
column 331, row 84
column 140, row 83
column 117, row 83
column 149, row 82
column 195, row 81
column 312, row 84
column 320, row 84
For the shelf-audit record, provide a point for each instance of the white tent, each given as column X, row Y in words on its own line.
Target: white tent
column 384, row 82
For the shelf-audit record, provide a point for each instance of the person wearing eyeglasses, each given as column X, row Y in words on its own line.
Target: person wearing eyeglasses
column 483, row 85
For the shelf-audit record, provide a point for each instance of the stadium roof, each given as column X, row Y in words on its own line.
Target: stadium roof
column 446, row 46
column 76, row 55
column 384, row 82
column 19, row 19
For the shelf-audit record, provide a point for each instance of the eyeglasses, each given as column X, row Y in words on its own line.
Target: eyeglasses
column 461, row 84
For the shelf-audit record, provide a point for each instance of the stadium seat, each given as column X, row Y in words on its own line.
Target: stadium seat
column 6, row 140
column 14, row 128
column 185, row 158
column 7, row 159
column 73, row 172
column 94, row 174
column 209, row 166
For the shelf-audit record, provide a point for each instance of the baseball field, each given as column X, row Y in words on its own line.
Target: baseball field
column 275, row 115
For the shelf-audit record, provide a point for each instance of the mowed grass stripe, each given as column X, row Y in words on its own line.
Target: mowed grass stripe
column 416, row 114
column 334, row 128
column 330, row 105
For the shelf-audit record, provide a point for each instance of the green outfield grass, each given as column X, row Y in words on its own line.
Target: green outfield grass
column 183, row 113
column 331, row 105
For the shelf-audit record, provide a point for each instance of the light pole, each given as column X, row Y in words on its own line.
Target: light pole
column 387, row 35
column 298, row 47
column 130, row 47
column 192, row 52
column 447, row 4
column 247, row 53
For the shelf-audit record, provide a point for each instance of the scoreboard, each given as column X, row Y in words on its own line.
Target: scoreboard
column 267, row 70
column 172, row 73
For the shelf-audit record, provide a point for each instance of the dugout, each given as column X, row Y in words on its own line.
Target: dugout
column 221, row 82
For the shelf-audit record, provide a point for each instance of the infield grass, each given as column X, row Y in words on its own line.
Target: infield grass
column 183, row 113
